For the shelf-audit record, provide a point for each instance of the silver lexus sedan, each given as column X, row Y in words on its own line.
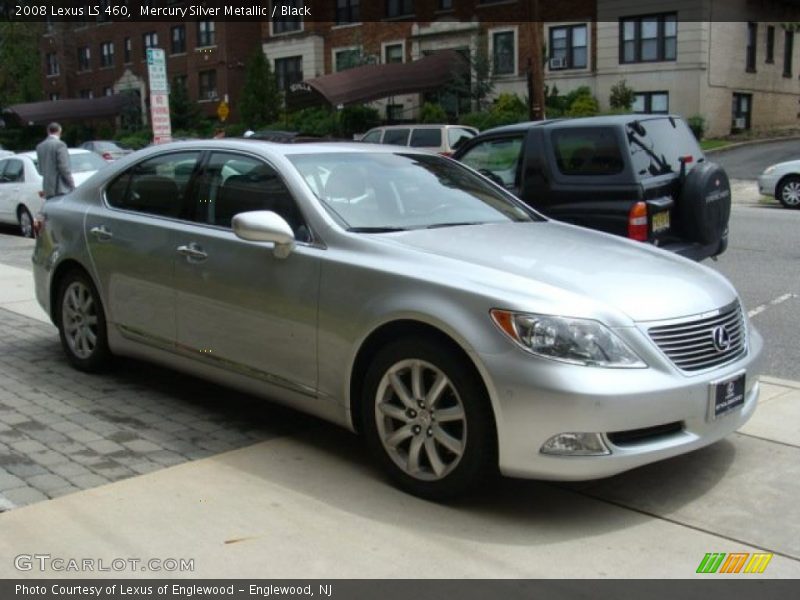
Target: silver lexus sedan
column 405, row 297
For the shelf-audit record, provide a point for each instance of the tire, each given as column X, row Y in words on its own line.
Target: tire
column 82, row 323
column 705, row 204
column 788, row 192
column 422, row 453
column 25, row 222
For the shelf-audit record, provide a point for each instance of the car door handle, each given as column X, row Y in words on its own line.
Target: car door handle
column 193, row 252
column 101, row 233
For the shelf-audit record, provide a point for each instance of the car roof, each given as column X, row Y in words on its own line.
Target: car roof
column 603, row 120
column 422, row 126
column 245, row 144
column 32, row 153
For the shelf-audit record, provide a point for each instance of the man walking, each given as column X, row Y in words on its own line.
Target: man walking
column 54, row 163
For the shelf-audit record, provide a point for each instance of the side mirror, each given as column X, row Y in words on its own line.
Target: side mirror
column 265, row 226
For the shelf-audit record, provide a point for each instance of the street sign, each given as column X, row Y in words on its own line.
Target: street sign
column 223, row 111
column 159, row 96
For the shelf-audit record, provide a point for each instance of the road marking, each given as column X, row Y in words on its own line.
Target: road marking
column 759, row 309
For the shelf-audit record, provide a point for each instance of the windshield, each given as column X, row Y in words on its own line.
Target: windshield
column 662, row 145
column 376, row 192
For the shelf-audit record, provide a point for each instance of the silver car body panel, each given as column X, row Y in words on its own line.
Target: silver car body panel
column 291, row 329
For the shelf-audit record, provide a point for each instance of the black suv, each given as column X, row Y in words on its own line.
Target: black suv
column 638, row 176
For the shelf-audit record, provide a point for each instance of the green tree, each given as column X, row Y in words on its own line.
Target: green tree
column 622, row 96
column 20, row 63
column 184, row 113
column 261, row 101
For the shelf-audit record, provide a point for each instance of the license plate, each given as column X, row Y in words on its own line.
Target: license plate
column 726, row 395
column 661, row 221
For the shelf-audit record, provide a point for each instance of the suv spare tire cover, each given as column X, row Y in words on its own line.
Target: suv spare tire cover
column 705, row 203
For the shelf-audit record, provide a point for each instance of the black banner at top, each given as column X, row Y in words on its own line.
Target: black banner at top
column 350, row 12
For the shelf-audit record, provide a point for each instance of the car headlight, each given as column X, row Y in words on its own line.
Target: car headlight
column 769, row 170
column 575, row 341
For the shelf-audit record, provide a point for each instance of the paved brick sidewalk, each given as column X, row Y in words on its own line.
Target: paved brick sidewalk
column 62, row 430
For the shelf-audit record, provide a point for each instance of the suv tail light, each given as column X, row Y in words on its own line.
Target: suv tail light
column 637, row 222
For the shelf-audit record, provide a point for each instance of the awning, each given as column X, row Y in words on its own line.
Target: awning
column 41, row 113
column 372, row 82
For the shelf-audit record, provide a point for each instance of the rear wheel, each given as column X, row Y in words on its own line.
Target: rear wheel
column 788, row 192
column 427, row 419
column 82, row 323
column 25, row 222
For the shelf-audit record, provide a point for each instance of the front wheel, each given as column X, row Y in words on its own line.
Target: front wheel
column 788, row 192
column 82, row 323
column 427, row 419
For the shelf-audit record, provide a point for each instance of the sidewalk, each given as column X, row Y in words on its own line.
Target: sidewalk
column 308, row 503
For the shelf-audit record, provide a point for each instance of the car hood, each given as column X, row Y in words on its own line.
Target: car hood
column 645, row 283
column 789, row 164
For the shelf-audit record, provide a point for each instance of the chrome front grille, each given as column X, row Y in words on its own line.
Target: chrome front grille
column 691, row 345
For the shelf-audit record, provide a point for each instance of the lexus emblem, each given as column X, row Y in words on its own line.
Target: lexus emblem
column 721, row 338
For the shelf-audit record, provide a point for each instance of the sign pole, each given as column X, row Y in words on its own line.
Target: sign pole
column 159, row 96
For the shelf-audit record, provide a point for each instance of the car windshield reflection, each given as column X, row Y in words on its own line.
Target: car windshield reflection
column 384, row 192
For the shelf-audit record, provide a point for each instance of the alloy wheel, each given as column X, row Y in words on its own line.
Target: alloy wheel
column 420, row 419
column 25, row 223
column 79, row 320
column 791, row 193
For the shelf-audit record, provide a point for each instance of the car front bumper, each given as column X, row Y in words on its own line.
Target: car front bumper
column 535, row 399
column 767, row 185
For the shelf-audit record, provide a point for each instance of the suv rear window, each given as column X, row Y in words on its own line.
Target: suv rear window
column 587, row 151
column 426, row 138
column 669, row 143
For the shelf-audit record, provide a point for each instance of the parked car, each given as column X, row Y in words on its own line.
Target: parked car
column 401, row 295
column 21, row 184
column 443, row 139
column 108, row 149
column 782, row 181
column 639, row 176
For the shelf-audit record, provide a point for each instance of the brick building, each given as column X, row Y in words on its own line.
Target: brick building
column 88, row 60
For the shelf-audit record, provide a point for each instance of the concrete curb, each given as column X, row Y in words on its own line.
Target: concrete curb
column 736, row 145
column 795, row 385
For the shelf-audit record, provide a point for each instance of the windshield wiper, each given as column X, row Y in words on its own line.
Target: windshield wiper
column 660, row 160
column 439, row 225
column 375, row 229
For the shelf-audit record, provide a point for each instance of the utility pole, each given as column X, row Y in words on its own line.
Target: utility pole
column 536, row 68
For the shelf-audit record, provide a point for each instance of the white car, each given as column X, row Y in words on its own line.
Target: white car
column 783, row 182
column 21, row 184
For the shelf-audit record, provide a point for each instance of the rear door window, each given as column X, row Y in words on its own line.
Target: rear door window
column 373, row 137
column 398, row 137
column 426, row 138
column 588, row 151
column 497, row 158
column 157, row 186
column 669, row 139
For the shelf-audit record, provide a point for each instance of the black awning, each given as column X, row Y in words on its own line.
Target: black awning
column 41, row 113
column 372, row 82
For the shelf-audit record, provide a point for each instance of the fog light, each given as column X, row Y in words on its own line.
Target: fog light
column 576, row 444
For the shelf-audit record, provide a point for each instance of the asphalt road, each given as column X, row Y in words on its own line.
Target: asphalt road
column 748, row 162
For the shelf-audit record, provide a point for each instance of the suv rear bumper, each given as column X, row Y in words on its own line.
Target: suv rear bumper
column 695, row 251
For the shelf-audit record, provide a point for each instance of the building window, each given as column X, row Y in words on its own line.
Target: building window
column 394, row 113
column 107, row 54
column 503, row 55
column 347, row 11
column 445, row 5
column 289, row 23
column 127, row 50
column 288, row 71
column 648, row 39
column 788, row 50
column 393, row 53
column 52, row 64
column 178, row 39
column 752, row 39
column 208, row 85
column 568, row 47
column 108, row 91
column 346, row 59
column 86, row 94
column 84, row 58
column 742, row 110
column 205, row 33
column 179, row 81
column 149, row 40
column 651, row 103
column 399, row 8
column 770, row 44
